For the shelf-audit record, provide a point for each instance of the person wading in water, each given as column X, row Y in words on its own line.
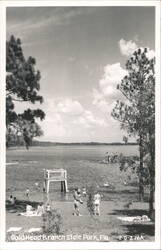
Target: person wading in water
column 77, row 201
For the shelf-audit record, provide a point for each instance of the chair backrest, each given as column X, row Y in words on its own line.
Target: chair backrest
column 55, row 173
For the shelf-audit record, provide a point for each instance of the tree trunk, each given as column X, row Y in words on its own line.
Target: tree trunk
column 141, row 184
column 152, row 180
column 151, row 196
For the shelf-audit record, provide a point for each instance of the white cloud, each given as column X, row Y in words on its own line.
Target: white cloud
column 106, row 93
column 127, row 47
column 92, row 120
column 113, row 73
column 150, row 54
column 99, row 100
column 73, row 112
column 67, row 118
column 70, row 107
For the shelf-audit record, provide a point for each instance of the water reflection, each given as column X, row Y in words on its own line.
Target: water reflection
column 57, row 196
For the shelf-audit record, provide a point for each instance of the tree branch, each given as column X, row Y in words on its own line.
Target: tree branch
column 20, row 100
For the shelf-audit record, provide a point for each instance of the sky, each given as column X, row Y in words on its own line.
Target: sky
column 81, row 53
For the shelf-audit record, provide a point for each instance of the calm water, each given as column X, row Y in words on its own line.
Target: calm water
column 74, row 151
column 84, row 165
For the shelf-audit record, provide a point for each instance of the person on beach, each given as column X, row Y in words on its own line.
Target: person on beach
column 77, row 201
column 40, row 209
column 107, row 157
column 27, row 138
column 11, row 200
column 96, row 203
column 37, row 186
column 48, row 207
column 14, row 200
column 27, row 193
column 84, row 191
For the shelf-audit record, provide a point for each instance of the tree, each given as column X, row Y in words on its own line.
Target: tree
column 125, row 139
column 23, row 131
column 137, row 113
column 22, row 85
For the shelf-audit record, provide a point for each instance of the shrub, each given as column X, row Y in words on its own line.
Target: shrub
column 90, row 195
column 131, row 164
column 52, row 222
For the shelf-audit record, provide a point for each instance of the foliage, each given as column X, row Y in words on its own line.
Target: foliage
column 52, row 222
column 137, row 113
column 22, row 80
column 132, row 163
column 22, row 131
column 125, row 139
column 90, row 196
column 22, row 85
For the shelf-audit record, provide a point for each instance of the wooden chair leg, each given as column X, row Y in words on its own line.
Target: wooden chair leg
column 65, row 186
column 62, row 188
column 47, row 189
column 44, row 187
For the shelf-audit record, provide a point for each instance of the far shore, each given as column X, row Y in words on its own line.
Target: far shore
column 36, row 143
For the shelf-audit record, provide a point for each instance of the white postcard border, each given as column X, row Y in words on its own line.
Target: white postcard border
column 75, row 245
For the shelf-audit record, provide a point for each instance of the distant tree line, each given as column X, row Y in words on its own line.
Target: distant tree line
column 19, row 141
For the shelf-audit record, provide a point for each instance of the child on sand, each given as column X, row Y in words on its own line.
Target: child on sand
column 84, row 192
column 37, row 185
column 29, row 210
column 48, row 207
column 96, row 203
column 11, row 200
column 27, row 193
column 40, row 209
column 77, row 201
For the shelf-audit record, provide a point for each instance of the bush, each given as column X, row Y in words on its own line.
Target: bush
column 52, row 222
column 131, row 164
column 90, row 195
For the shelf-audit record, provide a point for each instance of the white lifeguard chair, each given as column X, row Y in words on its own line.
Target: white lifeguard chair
column 55, row 175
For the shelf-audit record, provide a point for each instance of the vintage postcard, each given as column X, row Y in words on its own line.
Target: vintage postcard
column 80, row 124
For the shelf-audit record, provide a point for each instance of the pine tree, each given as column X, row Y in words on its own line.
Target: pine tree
column 137, row 113
column 22, row 85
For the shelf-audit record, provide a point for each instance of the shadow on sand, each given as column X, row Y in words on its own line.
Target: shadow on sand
column 20, row 205
column 140, row 229
column 130, row 212
column 147, row 229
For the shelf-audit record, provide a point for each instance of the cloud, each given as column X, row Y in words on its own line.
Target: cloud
column 66, row 120
column 99, row 100
column 90, row 121
column 74, row 112
column 106, row 94
column 150, row 54
column 70, row 107
column 127, row 47
column 113, row 73
column 102, row 102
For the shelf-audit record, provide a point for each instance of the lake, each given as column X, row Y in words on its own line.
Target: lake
column 84, row 165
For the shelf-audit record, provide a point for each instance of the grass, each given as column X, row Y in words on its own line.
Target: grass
column 84, row 167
